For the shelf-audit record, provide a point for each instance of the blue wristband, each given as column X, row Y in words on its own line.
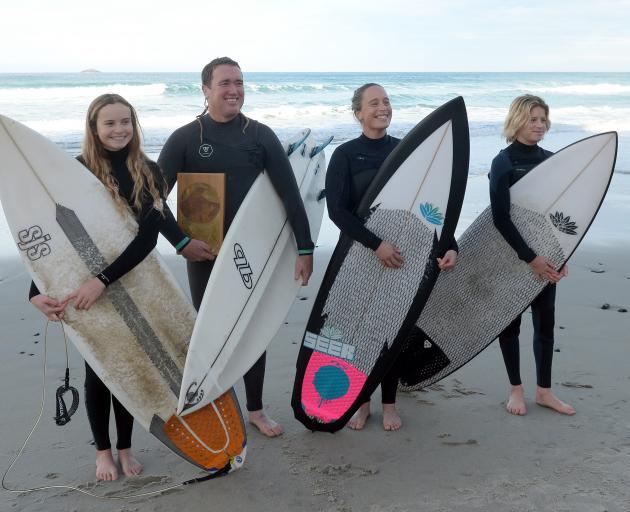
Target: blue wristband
column 183, row 243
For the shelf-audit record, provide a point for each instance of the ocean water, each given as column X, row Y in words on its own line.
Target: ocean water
column 581, row 104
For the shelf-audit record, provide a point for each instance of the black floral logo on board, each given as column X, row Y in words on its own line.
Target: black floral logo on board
column 563, row 224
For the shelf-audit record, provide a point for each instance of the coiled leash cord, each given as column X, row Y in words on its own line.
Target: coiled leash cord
column 62, row 417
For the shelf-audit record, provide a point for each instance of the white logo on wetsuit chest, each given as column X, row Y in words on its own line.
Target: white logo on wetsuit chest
column 205, row 150
column 242, row 265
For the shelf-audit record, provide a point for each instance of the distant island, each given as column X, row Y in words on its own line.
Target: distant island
column 90, row 71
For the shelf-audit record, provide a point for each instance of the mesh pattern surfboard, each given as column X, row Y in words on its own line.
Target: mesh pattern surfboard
column 363, row 310
column 473, row 303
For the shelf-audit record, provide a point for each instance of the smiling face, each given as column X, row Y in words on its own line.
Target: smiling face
column 225, row 94
column 533, row 131
column 375, row 113
column 114, row 126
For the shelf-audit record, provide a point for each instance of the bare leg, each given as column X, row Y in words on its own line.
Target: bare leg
column 265, row 424
column 357, row 422
column 105, row 467
column 546, row 398
column 391, row 418
column 516, row 402
column 129, row 464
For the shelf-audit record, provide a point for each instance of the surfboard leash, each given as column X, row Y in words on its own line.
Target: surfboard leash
column 62, row 413
column 62, row 417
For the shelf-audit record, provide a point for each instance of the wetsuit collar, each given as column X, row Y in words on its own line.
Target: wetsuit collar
column 211, row 121
column 375, row 142
column 525, row 148
column 118, row 156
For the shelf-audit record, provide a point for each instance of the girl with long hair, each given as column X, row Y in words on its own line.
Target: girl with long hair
column 112, row 152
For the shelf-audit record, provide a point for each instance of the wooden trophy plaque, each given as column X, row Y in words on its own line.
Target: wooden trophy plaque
column 201, row 206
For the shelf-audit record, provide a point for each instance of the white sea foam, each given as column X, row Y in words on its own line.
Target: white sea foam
column 594, row 119
column 83, row 94
column 330, row 117
column 56, row 127
column 602, row 89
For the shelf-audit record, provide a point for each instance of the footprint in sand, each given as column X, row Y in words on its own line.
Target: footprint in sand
column 576, row 385
column 470, row 442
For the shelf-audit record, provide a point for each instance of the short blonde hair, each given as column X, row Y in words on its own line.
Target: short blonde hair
column 518, row 115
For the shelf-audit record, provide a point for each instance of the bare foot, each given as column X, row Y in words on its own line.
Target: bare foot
column 357, row 422
column 265, row 424
column 105, row 467
column 546, row 398
column 516, row 402
column 391, row 419
column 129, row 464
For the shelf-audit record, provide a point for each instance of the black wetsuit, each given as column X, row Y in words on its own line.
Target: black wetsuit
column 352, row 168
column 241, row 149
column 97, row 396
column 510, row 165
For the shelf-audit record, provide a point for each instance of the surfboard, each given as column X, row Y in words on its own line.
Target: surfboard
column 135, row 337
column 363, row 311
column 251, row 288
column 552, row 207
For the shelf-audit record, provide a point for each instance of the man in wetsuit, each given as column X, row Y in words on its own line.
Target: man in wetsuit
column 223, row 140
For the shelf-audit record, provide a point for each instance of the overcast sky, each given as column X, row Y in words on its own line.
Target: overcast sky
column 322, row 35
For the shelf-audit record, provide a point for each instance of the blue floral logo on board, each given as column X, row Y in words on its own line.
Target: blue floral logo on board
column 563, row 224
column 432, row 214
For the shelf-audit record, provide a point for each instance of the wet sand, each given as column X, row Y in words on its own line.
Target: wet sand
column 458, row 449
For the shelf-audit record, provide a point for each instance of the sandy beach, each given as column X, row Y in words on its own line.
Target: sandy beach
column 458, row 449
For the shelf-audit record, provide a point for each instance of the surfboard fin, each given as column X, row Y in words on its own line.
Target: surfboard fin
column 320, row 148
column 295, row 145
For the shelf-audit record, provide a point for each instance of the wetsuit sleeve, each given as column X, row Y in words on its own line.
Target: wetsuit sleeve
column 33, row 291
column 171, row 230
column 500, row 204
column 338, row 202
column 149, row 222
column 172, row 161
column 281, row 175
column 172, row 158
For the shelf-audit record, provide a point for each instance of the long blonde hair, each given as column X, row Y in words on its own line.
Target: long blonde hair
column 518, row 115
column 95, row 158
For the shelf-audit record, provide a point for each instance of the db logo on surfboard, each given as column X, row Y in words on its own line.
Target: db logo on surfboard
column 242, row 265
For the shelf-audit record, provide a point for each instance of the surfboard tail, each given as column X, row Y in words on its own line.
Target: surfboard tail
column 212, row 438
column 331, row 385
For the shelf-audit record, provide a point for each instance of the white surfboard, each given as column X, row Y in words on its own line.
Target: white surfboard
column 251, row 288
column 135, row 337
column 552, row 207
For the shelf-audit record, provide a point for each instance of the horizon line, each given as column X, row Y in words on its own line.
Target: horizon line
column 97, row 71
